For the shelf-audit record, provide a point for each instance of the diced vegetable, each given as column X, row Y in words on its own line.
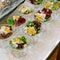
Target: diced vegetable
column 10, row 21
column 30, row 24
column 23, row 39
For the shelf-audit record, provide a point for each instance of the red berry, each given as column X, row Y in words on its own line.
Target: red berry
column 44, row 10
column 49, row 11
column 48, row 15
column 20, row 21
column 32, row 1
column 38, row 25
column 16, row 23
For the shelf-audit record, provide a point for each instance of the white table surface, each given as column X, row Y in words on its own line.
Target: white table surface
column 46, row 40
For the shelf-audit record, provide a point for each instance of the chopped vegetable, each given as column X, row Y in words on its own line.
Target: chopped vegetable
column 30, row 24
column 10, row 42
column 18, row 42
column 23, row 39
column 16, row 20
column 46, row 19
column 51, row 0
column 55, row 6
column 10, row 21
column 40, row 1
column 33, row 27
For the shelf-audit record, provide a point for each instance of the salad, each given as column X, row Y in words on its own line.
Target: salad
column 25, row 9
column 19, row 42
column 5, row 31
column 16, row 20
column 44, row 15
column 52, row 5
column 32, row 27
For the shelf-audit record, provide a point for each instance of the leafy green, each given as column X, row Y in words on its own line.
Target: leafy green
column 55, row 6
column 10, row 42
column 51, row 0
column 58, row 0
column 29, row 23
column 10, row 21
column 41, row 1
column 38, row 1
column 46, row 19
column 23, row 39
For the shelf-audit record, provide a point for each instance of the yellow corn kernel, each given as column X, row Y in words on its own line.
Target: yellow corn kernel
column 7, row 29
column 16, row 17
column 39, row 17
column 31, row 30
column 48, row 4
column 17, row 40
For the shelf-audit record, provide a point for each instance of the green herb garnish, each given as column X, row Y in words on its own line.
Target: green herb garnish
column 10, row 42
column 40, row 1
column 58, row 0
column 55, row 6
column 46, row 19
column 10, row 21
column 30, row 24
column 23, row 39
column 51, row 0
